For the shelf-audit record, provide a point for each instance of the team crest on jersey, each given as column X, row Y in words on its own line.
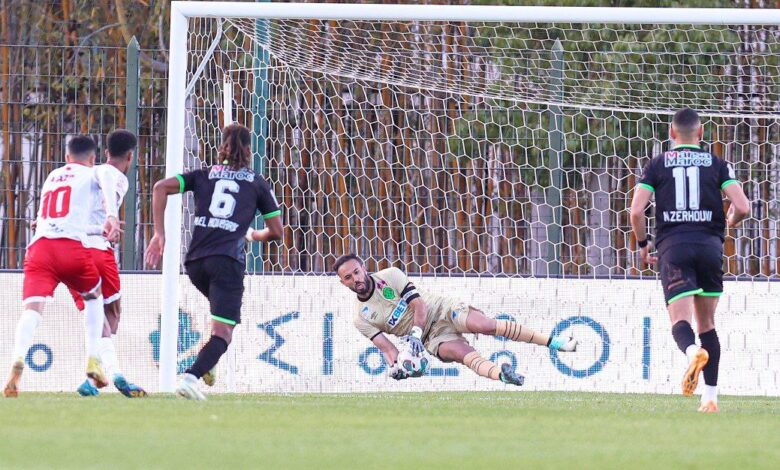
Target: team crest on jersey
column 388, row 293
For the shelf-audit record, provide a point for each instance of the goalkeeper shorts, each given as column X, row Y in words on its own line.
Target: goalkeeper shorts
column 450, row 326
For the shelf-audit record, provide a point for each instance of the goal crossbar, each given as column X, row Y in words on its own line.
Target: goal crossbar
column 517, row 14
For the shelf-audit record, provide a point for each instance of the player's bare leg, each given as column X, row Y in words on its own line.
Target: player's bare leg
column 462, row 352
column 113, row 313
column 478, row 323
column 108, row 353
column 208, row 357
column 704, row 311
column 11, row 389
column 23, row 337
column 680, row 313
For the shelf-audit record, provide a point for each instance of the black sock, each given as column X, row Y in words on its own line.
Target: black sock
column 683, row 335
column 208, row 356
column 711, row 343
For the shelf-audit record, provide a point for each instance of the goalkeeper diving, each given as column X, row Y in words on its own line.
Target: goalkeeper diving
column 389, row 303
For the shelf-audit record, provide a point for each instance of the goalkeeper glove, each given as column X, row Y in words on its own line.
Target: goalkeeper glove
column 397, row 372
column 414, row 341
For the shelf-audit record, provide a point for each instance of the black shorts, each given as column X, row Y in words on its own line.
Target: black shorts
column 221, row 279
column 691, row 269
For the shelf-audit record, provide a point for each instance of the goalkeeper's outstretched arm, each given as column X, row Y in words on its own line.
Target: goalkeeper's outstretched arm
column 390, row 353
column 420, row 319
column 387, row 347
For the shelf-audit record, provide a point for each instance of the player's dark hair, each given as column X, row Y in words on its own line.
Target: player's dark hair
column 235, row 150
column 343, row 259
column 120, row 142
column 81, row 146
column 686, row 121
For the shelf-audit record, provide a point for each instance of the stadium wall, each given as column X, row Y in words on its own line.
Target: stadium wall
column 297, row 336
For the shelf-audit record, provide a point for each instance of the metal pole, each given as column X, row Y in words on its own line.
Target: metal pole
column 554, row 163
column 174, row 163
column 131, row 124
column 260, row 97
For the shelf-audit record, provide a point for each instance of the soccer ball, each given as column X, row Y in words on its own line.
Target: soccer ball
column 414, row 365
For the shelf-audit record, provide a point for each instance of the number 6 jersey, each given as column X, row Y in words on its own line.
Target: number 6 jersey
column 687, row 183
column 226, row 202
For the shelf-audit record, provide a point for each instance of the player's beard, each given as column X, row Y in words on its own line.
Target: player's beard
column 365, row 287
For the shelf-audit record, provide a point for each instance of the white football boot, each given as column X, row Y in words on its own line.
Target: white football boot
column 188, row 388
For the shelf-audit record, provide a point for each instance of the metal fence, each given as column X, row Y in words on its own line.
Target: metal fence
column 51, row 92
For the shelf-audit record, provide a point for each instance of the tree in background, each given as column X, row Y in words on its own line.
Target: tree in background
column 63, row 66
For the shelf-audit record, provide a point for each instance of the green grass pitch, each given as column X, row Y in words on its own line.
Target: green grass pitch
column 420, row 430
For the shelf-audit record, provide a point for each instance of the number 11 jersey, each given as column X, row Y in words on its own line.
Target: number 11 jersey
column 687, row 183
column 226, row 202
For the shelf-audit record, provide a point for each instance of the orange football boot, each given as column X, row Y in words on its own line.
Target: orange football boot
column 11, row 389
column 691, row 377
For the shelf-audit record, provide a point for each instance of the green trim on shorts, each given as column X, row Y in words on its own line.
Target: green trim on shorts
column 728, row 183
column 647, row 187
column 272, row 214
column 181, row 183
column 224, row 320
column 710, row 294
column 684, row 294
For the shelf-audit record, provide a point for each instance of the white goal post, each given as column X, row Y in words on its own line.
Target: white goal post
column 183, row 73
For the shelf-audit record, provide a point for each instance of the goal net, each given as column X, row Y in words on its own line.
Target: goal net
column 491, row 159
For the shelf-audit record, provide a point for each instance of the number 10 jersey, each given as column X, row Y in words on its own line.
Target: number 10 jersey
column 67, row 198
column 687, row 183
column 226, row 202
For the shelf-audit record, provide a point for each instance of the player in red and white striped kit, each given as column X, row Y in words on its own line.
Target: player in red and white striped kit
column 57, row 254
column 121, row 145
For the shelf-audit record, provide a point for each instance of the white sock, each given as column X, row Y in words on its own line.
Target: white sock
column 93, row 323
column 691, row 351
column 190, row 378
column 25, row 330
column 108, row 356
column 710, row 393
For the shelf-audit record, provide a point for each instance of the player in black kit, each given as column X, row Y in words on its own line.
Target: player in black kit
column 690, row 224
column 227, row 197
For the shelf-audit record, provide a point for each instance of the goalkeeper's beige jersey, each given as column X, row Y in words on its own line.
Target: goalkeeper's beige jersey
column 388, row 310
